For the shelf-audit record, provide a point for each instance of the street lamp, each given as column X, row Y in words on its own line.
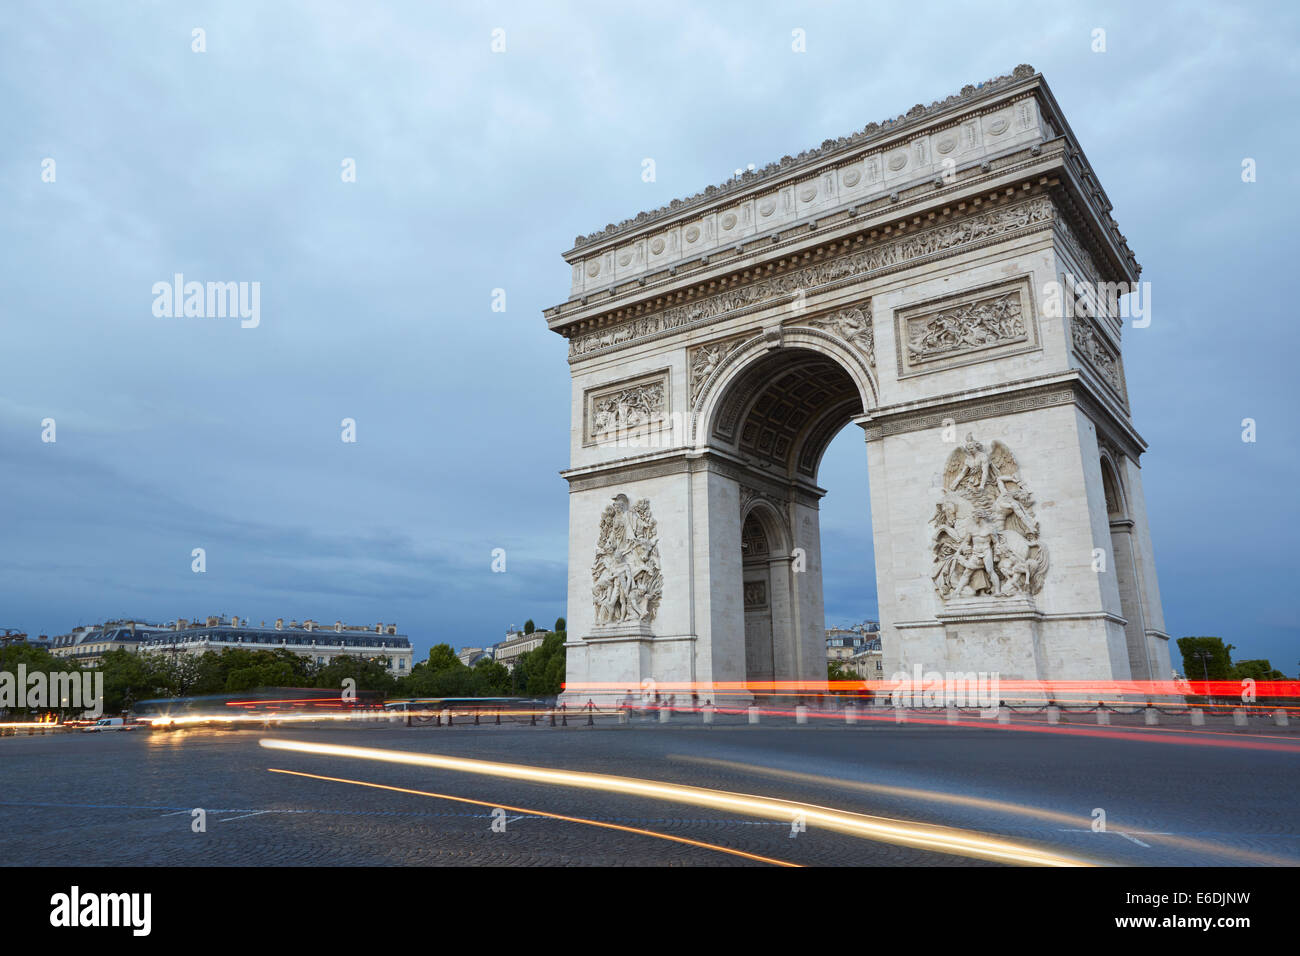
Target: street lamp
column 1204, row 656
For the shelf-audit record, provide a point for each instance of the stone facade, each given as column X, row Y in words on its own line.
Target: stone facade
column 908, row 279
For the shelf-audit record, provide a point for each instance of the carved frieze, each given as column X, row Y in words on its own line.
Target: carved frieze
column 853, row 325
column 626, row 408
column 974, row 228
column 986, row 537
column 755, row 595
column 972, row 326
column 627, row 584
column 705, row 358
column 1091, row 346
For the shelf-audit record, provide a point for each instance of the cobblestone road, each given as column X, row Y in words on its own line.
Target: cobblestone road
column 126, row 799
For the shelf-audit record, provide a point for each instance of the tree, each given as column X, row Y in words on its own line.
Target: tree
column 1261, row 669
column 559, row 625
column 529, row 626
column 541, row 671
column 837, row 671
column 442, row 657
column 369, row 674
column 1218, row 666
column 490, row 678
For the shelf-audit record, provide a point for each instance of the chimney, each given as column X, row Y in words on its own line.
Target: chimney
column 392, row 629
column 234, row 621
column 309, row 624
column 379, row 628
column 210, row 622
column 338, row 626
column 279, row 624
column 182, row 624
column 132, row 623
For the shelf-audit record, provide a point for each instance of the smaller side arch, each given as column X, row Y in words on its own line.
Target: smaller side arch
column 1113, row 489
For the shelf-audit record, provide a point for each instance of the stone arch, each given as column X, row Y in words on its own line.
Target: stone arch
column 743, row 357
column 780, row 398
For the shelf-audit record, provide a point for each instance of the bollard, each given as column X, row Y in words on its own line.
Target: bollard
column 590, row 721
column 900, row 715
column 564, row 714
column 1198, row 717
column 476, row 717
column 950, row 714
column 800, row 714
column 753, row 714
column 851, row 714
column 1151, row 716
column 1239, row 717
column 552, row 713
column 1280, row 718
column 623, row 717
column 1004, row 715
column 664, row 714
column 707, row 713
column 532, row 719
column 1053, row 714
column 498, row 716
column 1103, row 717
column 449, row 717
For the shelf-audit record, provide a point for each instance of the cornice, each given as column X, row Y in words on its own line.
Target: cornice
column 791, row 168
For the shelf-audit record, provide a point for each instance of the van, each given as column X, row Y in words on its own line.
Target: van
column 107, row 723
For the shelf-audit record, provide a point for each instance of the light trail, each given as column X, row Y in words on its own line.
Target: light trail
column 937, row 839
column 542, row 813
column 984, row 803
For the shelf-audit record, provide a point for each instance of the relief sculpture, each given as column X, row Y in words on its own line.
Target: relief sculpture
column 985, row 541
column 627, row 584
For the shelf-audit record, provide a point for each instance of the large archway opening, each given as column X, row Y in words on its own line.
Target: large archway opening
column 779, row 416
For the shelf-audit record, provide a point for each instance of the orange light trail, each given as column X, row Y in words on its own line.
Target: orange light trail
column 984, row 803
column 929, row 837
column 553, row 816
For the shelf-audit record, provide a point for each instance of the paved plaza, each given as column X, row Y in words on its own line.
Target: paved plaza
column 1170, row 797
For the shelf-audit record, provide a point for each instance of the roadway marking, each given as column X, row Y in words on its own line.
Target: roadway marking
column 540, row 813
column 255, row 813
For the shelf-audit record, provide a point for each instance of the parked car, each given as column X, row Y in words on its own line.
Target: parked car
column 106, row 723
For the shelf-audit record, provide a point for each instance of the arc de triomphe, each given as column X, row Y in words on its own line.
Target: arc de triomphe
column 939, row 280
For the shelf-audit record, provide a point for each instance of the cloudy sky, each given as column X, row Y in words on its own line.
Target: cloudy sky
column 474, row 171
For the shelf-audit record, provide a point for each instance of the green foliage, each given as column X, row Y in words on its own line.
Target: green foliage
column 443, row 675
column 559, row 625
column 491, row 678
column 1219, row 665
column 370, row 674
column 442, row 657
column 837, row 671
column 1261, row 669
column 529, row 626
column 540, row 672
